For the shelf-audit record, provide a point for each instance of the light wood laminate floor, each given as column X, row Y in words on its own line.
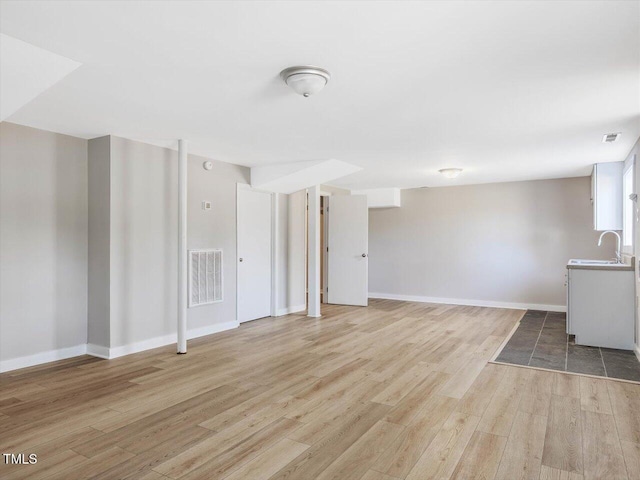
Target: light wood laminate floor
column 394, row 390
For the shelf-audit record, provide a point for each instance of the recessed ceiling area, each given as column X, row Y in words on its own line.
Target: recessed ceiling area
column 504, row 90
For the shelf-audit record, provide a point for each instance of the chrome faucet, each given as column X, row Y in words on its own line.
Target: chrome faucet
column 618, row 256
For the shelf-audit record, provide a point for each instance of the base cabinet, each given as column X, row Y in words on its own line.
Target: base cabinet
column 600, row 306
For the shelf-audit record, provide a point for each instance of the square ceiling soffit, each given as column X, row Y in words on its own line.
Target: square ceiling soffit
column 292, row 177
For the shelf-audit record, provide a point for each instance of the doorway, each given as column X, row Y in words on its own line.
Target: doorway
column 343, row 250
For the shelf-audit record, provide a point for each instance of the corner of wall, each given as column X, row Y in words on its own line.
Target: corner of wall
column 99, row 239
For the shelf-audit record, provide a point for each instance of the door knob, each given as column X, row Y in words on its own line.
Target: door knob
column 364, row 255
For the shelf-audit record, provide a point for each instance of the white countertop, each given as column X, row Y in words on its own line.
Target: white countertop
column 585, row 264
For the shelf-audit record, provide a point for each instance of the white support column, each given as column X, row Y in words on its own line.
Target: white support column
column 182, row 246
column 314, row 252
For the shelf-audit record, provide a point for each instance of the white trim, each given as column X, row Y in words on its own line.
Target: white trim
column 97, row 351
column 108, row 353
column 239, row 186
column 636, row 350
column 211, row 329
column 156, row 342
column 42, row 357
column 289, row 310
column 629, row 164
column 313, row 252
column 274, row 254
column 472, row 303
column 324, row 254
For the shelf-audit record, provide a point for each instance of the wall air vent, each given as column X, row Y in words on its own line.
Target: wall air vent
column 205, row 277
column 610, row 137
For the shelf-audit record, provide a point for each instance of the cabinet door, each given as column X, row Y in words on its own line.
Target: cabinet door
column 593, row 195
column 607, row 196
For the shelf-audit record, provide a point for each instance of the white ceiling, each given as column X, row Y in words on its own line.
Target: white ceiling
column 27, row 71
column 506, row 90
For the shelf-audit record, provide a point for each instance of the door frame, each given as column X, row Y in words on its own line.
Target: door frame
column 325, row 241
column 274, row 248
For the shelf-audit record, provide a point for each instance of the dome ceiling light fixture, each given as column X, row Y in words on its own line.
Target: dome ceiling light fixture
column 305, row 80
column 450, row 172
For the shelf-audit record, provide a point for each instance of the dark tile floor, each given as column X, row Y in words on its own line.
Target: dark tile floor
column 541, row 341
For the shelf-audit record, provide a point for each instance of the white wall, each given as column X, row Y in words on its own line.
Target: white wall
column 91, row 228
column 142, row 253
column 504, row 243
column 381, row 197
column 296, row 267
column 499, row 243
column 282, row 254
column 331, row 190
column 215, row 228
column 144, row 219
column 99, row 224
column 43, row 246
column 88, row 234
column 297, row 251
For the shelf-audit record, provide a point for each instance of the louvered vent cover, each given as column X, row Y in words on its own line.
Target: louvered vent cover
column 205, row 277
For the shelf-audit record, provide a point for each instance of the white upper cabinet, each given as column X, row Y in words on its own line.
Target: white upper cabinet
column 606, row 195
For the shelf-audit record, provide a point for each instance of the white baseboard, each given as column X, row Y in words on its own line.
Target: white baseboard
column 42, row 357
column 211, row 329
column 97, row 351
column 108, row 353
column 637, row 351
column 471, row 303
column 289, row 310
column 155, row 342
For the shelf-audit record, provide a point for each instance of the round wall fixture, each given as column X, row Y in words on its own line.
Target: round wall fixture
column 306, row 79
column 208, row 165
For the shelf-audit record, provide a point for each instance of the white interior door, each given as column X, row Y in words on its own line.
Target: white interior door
column 254, row 254
column 348, row 241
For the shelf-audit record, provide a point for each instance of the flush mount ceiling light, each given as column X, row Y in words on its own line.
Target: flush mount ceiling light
column 306, row 79
column 451, row 172
column 610, row 137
